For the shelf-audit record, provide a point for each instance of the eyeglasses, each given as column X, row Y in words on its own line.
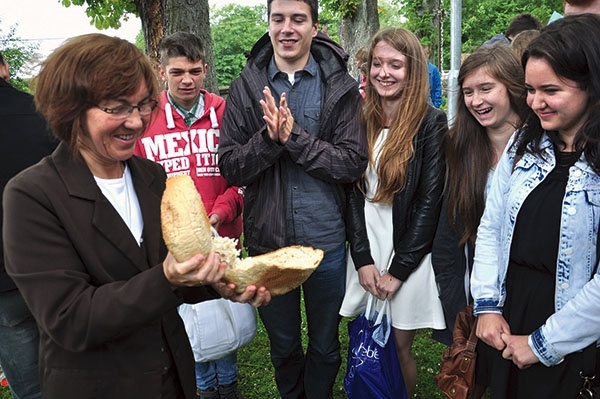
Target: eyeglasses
column 122, row 111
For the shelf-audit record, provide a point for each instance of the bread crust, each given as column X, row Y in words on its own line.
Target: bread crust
column 186, row 231
column 185, row 225
column 280, row 271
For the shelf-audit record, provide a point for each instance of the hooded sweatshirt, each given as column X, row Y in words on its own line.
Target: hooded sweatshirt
column 193, row 151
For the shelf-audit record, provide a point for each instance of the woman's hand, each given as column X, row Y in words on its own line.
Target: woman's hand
column 196, row 271
column 255, row 296
column 518, row 350
column 388, row 285
column 367, row 277
column 490, row 327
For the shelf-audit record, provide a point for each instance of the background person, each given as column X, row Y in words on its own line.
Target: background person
column 292, row 136
column 517, row 25
column 490, row 107
column 392, row 216
column 24, row 140
column 435, row 81
column 190, row 117
column 535, row 255
column 574, row 7
column 83, row 238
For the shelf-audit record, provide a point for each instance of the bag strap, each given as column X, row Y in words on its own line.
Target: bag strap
column 380, row 312
column 472, row 340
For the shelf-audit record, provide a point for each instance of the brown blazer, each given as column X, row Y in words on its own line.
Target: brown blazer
column 101, row 301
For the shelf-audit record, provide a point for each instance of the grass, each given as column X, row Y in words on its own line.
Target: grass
column 256, row 372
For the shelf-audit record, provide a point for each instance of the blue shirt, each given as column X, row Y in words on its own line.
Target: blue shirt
column 312, row 214
column 435, row 85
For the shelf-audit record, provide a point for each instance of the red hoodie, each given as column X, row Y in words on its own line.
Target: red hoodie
column 193, row 151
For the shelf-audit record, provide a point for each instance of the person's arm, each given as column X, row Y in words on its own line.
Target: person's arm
column 229, row 205
column 245, row 148
column 486, row 284
column 552, row 341
column 449, row 263
column 341, row 159
column 410, row 249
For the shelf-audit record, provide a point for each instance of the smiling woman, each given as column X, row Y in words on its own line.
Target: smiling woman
column 84, row 224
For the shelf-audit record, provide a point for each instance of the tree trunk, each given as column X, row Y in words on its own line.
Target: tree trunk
column 356, row 31
column 163, row 17
column 151, row 12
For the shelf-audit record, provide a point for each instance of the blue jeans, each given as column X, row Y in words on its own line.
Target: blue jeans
column 222, row 371
column 311, row 375
column 19, row 343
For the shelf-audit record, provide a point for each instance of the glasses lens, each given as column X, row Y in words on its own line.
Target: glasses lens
column 122, row 111
column 147, row 107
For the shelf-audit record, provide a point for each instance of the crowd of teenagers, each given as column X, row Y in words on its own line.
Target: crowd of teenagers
column 499, row 209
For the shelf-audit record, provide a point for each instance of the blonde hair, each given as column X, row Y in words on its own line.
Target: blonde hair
column 398, row 148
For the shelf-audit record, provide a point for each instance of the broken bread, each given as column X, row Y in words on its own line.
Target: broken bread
column 187, row 231
column 185, row 225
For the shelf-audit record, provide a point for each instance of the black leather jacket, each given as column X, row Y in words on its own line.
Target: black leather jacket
column 416, row 207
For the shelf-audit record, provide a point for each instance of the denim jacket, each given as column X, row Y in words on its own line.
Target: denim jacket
column 576, row 322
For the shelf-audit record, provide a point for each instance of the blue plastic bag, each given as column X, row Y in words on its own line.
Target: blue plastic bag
column 373, row 369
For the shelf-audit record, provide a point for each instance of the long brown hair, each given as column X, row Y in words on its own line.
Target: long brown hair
column 469, row 152
column 398, row 148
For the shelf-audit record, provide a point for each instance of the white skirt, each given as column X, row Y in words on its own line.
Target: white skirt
column 415, row 305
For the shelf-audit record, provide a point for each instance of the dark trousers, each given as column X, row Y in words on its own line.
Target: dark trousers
column 311, row 375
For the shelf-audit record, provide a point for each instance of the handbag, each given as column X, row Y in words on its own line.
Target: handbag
column 373, row 368
column 590, row 388
column 457, row 376
column 218, row 327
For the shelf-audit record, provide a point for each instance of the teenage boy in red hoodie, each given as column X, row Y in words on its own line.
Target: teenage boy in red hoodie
column 183, row 137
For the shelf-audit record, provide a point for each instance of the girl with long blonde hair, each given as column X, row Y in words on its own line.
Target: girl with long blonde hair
column 393, row 212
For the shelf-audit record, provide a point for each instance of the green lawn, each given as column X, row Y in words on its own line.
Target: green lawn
column 256, row 373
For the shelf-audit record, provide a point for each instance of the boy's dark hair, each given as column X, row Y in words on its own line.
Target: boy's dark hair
column 522, row 22
column 313, row 4
column 1, row 58
column 181, row 44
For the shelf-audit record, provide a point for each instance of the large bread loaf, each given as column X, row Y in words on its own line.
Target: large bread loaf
column 186, row 231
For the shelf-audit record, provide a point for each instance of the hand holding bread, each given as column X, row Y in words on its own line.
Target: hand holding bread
column 186, row 231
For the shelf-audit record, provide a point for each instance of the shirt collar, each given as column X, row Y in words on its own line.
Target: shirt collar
column 311, row 68
column 196, row 110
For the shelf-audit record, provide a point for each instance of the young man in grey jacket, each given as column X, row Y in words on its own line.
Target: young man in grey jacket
column 291, row 134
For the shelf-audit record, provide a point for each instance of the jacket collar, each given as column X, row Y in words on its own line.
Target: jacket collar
column 80, row 183
column 328, row 54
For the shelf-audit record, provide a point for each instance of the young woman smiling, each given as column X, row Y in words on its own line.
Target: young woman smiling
column 393, row 212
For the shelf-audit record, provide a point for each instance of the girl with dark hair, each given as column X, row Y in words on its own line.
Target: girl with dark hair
column 534, row 282
column 490, row 107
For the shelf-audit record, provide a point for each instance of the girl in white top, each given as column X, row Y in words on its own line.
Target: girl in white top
column 392, row 214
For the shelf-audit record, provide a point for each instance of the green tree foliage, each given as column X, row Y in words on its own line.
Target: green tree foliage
column 235, row 29
column 480, row 20
column 105, row 14
column 18, row 53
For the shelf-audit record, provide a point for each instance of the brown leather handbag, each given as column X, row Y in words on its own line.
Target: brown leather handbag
column 457, row 376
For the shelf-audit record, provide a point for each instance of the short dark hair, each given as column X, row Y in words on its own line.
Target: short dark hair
column 181, row 44
column 313, row 4
column 86, row 70
column 1, row 58
column 522, row 22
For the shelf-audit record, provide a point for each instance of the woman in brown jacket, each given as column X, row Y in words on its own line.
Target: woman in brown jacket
column 83, row 239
